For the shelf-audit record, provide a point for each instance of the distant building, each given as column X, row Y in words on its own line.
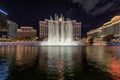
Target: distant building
column 26, row 31
column 12, row 29
column 109, row 28
column 44, row 27
column 94, row 33
column 8, row 28
column 3, row 26
column 112, row 27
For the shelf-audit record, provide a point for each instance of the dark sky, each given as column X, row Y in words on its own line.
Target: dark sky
column 92, row 13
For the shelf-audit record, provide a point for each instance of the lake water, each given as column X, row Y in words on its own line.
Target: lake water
column 59, row 63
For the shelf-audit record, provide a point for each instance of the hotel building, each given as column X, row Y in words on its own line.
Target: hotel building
column 94, row 33
column 8, row 28
column 111, row 27
column 12, row 29
column 3, row 26
column 26, row 31
column 44, row 28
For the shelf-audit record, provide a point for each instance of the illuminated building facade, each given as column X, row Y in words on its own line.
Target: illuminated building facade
column 94, row 33
column 109, row 28
column 112, row 27
column 3, row 25
column 12, row 29
column 26, row 31
column 44, row 28
column 8, row 28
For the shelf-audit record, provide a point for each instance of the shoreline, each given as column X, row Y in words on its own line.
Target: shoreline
column 23, row 43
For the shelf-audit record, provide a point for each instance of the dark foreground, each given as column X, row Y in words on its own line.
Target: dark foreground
column 60, row 63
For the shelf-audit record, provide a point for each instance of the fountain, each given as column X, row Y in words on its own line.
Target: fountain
column 60, row 33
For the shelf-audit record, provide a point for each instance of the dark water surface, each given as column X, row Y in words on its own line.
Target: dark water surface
column 60, row 63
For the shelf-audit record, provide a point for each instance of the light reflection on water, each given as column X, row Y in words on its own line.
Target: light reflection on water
column 59, row 63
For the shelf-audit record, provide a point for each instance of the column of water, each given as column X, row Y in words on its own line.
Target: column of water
column 57, row 32
column 53, row 31
column 66, row 32
column 69, row 32
column 49, row 31
column 70, row 26
column 62, row 32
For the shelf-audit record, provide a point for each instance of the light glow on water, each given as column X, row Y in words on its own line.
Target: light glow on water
column 59, row 63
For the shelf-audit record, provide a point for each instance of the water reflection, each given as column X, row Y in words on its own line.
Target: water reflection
column 59, row 63
column 57, row 59
column 5, row 61
column 115, row 62
column 98, row 62
column 25, row 55
column 98, row 55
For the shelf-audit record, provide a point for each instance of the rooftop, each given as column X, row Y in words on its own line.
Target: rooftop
column 116, row 18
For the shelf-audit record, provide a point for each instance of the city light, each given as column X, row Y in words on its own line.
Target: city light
column 1, row 11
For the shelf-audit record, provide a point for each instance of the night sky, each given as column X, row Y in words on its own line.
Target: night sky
column 92, row 13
